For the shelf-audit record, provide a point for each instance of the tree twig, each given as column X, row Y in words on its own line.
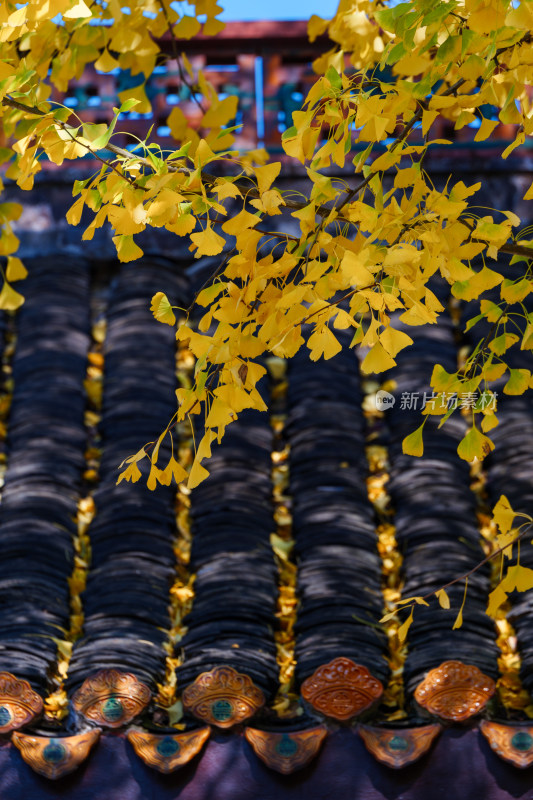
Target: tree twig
column 466, row 575
column 175, row 53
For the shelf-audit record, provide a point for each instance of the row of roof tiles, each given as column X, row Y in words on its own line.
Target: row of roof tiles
column 126, row 596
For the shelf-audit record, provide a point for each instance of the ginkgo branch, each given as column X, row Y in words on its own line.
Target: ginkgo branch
column 71, row 131
column 417, row 116
column 484, row 344
column 210, row 279
column 472, row 571
column 175, row 53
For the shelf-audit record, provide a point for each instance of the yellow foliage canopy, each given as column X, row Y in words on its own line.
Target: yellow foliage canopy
column 361, row 253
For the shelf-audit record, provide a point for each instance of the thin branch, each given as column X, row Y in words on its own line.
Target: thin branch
column 478, row 566
column 211, row 277
column 485, row 342
column 422, row 106
column 70, row 130
column 175, row 53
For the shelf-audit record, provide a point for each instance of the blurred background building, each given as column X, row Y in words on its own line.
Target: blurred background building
column 268, row 66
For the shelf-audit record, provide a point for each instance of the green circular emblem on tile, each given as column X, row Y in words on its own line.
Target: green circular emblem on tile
column 112, row 710
column 54, row 753
column 5, row 716
column 168, row 747
column 222, row 710
column 398, row 743
column 286, row 747
column 522, row 741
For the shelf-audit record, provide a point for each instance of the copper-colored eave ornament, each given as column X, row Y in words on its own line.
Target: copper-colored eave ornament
column 286, row 752
column 55, row 757
column 223, row 697
column 341, row 689
column 455, row 691
column 19, row 704
column 169, row 752
column 513, row 743
column 111, row 698
column 400, row 747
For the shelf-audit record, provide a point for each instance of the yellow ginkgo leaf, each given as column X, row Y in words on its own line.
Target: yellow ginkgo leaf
column 496, row 599
column 227, row 189
column 16, row 271
column 269, row 203
column 515, row 291
column 156, row 475
column 240, row 222
column 377, row 360
column 459, row 620
column 208, row 242
column 182, row 225
column 518, row 578
column 502, row 343
column 162, row 310
column 127, row 250
column 175, row 470
column 404, row 627
column 106, row 62
column 138, row 456
column 474, row 446
column 74, row 213
column 316, row 27
column 485, row 129
column 122, row 220
column 489, row 422
column 177, row 122
column 78, row 11
column 413, row 445
column 267, row 175
column 353, row 269
column 186, row 28
column 213, row 26
column 503, row 515
column 220, row 113
column 518, row 381
column 131, row 473
column 394, row 340
column 10, row 300
column 137, row 93
column 6, row 70
column 323, row 343
column 196, row 475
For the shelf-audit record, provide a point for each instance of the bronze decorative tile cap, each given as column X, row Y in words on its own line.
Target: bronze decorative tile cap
column 111, row 698
column 341, row 689
column 223, row 697
column 167, row 753
column 400, row 747
column 19, row 704
column 54, row 758
column 513, row 743
column 286, row 752
column 454, row 691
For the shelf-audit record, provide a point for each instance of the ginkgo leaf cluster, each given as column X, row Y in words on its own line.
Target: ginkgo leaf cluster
column 366, row 250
